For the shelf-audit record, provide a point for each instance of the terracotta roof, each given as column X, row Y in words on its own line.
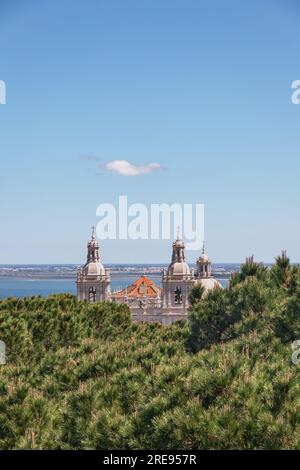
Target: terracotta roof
column 142, row 287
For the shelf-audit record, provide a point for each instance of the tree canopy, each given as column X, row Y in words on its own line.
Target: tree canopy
column 84, row 376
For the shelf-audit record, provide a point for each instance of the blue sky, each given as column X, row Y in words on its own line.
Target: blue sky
column 202, row 88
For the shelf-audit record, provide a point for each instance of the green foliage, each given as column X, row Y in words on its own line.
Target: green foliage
column 257, row 299
column 249, row 269
column 81, row 376
column 209, row 319
column 196, row 294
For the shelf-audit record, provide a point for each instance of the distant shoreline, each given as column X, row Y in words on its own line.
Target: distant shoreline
column 73, row 278
column 64, row 272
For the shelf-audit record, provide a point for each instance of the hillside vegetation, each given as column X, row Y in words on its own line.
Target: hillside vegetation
column 82, row 376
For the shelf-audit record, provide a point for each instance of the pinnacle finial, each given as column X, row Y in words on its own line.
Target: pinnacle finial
column 178, row 232
column 203, row 247
column 93, row 232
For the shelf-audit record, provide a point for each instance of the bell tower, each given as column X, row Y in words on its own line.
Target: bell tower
column 93, row 280
column 177, row 280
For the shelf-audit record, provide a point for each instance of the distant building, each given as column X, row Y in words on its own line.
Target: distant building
column 147, row 301
column 143, row 293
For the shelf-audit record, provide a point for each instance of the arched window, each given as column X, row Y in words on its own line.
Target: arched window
column 92, row 294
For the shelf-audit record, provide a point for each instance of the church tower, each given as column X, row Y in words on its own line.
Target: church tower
column 203, row 273
column 177, row 280
column 93, row 281
column 203, row 265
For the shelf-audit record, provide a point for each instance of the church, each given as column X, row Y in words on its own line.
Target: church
column 146, row 300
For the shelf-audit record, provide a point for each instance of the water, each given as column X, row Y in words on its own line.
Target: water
column 16, row 287
column 12, row 287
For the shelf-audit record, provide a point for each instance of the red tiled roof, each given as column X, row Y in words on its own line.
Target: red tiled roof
column 142, row 287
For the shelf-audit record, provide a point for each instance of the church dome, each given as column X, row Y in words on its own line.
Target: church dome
column 209, row 283
column 94, row 268
column 203, row 258
column 179, row 268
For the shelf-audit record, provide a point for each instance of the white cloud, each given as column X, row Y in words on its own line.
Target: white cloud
column 125, row 168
